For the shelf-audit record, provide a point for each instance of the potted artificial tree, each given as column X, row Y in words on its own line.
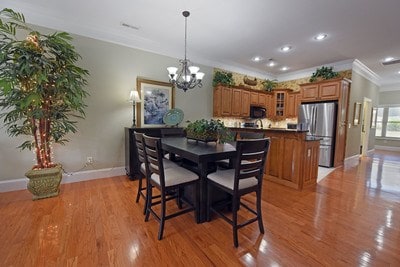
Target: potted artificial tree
column 41, row 90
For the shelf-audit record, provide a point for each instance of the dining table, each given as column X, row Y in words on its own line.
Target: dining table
column 200, row 153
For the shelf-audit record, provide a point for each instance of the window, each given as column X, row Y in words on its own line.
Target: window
column 388, row 122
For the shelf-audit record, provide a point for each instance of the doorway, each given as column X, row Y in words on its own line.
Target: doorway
column 365, row 126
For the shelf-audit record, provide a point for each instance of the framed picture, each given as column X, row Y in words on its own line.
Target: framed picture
column 157, row 98
column 374, row 115
column 357, row 113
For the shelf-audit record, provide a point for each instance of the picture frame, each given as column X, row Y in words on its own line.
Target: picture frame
column 357, row 113
column 156, row 99
column 374, row 117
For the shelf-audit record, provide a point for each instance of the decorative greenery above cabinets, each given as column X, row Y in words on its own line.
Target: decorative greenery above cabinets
column 223, row 78
column 325, row 73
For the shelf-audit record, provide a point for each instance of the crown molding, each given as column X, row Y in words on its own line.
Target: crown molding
column 364, row 71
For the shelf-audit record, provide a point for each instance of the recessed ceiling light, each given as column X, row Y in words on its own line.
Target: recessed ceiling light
column 271, row 63
column 284, row 68
column 388, row 59
column 398, row 72
column 320, row 36
column 286, row 48
column 257, row 59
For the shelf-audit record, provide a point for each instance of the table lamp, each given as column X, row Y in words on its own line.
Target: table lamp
column 134, row 98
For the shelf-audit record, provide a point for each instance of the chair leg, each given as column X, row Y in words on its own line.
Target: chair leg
column 197, row 203
column 259, row 215
column 145, row 201
column 162, row 217
column 178, row 199
column 139, row 190
column 149, row 197
column 208, row 211
column 235, row 208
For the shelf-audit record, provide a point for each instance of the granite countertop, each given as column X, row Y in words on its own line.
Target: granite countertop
column 268, row 129
column 313, row 138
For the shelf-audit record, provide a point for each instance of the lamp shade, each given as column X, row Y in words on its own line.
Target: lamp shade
column 134, row 96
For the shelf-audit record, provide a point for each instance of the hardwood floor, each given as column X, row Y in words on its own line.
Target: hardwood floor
column 351, row 218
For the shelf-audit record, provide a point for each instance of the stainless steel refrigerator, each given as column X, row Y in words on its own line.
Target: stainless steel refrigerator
column 320, row 121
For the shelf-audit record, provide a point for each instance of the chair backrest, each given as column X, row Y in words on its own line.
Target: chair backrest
column 169, row 132
column 251, row 135
column 154, row 157
column 250, row 161
column 139, row 146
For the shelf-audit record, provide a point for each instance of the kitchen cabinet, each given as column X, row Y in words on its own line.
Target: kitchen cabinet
column 332, row 90
column 292, row 159
column 292, row 104
column 245, row 104
column 279, row 103
column 320, row 91
column 262, row 100
column 254, row 98
column 342, row 120
column 234, row 101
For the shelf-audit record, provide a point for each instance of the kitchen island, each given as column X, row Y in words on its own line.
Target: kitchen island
column 292, row 159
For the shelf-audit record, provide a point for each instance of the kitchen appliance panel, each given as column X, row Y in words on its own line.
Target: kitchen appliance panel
column 325, row 156
column 325, row 119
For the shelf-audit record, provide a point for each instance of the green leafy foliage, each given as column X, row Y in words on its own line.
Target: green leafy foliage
column 41, row 89
column 209, row 129
column 223, row 78
column 269, row 85
column 325, row 73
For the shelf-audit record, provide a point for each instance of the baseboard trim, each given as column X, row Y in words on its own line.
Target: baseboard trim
column 20, row 184
column 389, row 148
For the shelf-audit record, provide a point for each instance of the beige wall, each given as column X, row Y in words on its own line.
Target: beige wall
column 113, row 71
column 360, row 88
column 389, row 98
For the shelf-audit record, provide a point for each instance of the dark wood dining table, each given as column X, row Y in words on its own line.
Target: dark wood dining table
column 200, row 153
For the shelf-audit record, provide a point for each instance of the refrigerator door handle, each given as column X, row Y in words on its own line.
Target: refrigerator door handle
column 314, row 119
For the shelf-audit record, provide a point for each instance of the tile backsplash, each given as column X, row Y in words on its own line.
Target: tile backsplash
column 236, row 122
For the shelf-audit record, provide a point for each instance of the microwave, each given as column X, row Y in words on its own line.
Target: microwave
column 257, row 112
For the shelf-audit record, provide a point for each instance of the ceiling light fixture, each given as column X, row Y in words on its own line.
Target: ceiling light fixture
column 284, row 68
column 271, row 63
column 388, row 59
column 320, row 36
column 398, row 72
column 188, row 76
column 286, row 48
column 256, row 59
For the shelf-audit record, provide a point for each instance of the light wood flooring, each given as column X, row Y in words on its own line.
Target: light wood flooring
column 351, row 218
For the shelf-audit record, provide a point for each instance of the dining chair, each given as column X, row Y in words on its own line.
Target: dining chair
column 167, row 181
column 228, row 163
column 142, row 187
column 245, row 178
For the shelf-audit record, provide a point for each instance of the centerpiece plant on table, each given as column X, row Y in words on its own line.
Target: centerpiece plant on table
column 41, row 94
column 208, row 131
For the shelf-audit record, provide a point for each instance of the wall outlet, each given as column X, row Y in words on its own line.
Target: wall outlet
column 89, row 160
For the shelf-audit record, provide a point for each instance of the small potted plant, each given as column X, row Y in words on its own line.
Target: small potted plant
column 269, row 85
column 41, row 95
column 223, row 78
column 208, row 131
column 323, row 73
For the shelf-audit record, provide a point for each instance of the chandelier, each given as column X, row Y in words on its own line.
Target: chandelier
column 188, row 77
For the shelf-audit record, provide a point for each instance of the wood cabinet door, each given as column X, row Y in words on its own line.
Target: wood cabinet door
column 342, row 120
column 279, row 104
column 309, row 92
column 291, row 153
column 274, row 164
column 329, row 91
column 310, row 166
column 217, row 101
column 291, row 106
column 254, row 98
column 262, row 100
column 226, row 101
column 270, row 105
column 245, row 103
column 236, row 102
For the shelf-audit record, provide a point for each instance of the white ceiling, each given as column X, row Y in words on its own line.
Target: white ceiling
column 228, row 33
